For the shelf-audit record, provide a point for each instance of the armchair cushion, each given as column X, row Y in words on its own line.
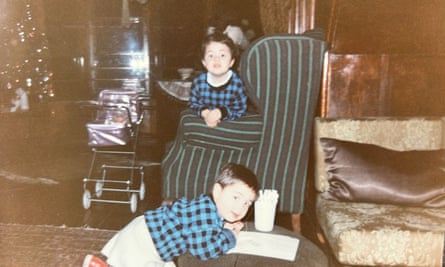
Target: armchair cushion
column 359, row 172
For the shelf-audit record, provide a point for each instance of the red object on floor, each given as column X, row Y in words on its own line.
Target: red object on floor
column 93, row 261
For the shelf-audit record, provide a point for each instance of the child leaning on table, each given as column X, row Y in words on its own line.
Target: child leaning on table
column 219, row 93
column 205, row 227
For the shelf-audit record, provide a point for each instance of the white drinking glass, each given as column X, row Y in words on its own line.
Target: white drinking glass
column 265, row 215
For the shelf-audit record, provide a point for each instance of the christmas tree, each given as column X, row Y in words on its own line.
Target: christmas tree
column 23, row 67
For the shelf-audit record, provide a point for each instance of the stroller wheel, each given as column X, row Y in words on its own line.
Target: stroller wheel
column 86, row 199
column 142, row 191
column 98, row 188
column 133, row 202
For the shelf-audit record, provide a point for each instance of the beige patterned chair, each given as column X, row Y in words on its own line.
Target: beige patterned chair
column 382, row 221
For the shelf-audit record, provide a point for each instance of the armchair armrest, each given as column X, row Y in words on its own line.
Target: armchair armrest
column 238, row 134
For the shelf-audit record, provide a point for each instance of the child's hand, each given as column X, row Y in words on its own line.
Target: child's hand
column 205, row 113
column 212, row 117
column 235, row 227
column 212, row 124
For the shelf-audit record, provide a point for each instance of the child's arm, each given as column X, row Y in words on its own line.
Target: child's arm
column 236, row 106
column 196, row 102
column 211, row 243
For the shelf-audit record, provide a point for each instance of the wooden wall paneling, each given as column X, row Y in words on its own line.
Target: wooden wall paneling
column 354, row 85
column 301, row 15
column 417, row 85
column 386, row 58
column 291, row 16
column 383, row 85
column 381, row 26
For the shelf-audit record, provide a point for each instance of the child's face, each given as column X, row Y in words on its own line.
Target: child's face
column 233, row 201
column 217, row 58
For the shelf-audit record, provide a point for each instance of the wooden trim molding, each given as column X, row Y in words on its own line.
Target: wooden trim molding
column 301, row 16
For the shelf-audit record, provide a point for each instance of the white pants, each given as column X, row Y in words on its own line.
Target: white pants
column 133, row 247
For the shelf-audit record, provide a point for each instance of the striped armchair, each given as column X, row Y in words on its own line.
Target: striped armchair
column 282, row 74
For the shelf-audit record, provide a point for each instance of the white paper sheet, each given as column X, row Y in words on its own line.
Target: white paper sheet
column 267, row 245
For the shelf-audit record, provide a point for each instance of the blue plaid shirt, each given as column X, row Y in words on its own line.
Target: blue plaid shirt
column 230, row 98
column 193, row 226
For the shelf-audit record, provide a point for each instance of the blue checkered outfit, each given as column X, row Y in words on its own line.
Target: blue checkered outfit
column 193, row 226
column 230, row 98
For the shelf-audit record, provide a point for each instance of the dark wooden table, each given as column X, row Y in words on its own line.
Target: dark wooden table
column 308, row 255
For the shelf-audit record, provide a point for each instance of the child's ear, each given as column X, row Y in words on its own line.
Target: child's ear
column 232, row 62
column 216, row 192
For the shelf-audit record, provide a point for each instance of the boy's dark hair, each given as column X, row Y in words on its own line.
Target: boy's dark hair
column 232, row 172
column 219, row 37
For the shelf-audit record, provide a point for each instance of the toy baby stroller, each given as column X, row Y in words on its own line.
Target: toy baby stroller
column 113, row 138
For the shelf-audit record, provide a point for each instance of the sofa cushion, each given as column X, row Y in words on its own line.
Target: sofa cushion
column 368, row 173
column 381, row 234
column 397, row 133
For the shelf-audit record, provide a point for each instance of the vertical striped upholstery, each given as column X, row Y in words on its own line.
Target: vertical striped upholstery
column 283, row 75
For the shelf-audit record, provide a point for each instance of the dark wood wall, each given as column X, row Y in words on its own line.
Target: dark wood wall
column 386, row 58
